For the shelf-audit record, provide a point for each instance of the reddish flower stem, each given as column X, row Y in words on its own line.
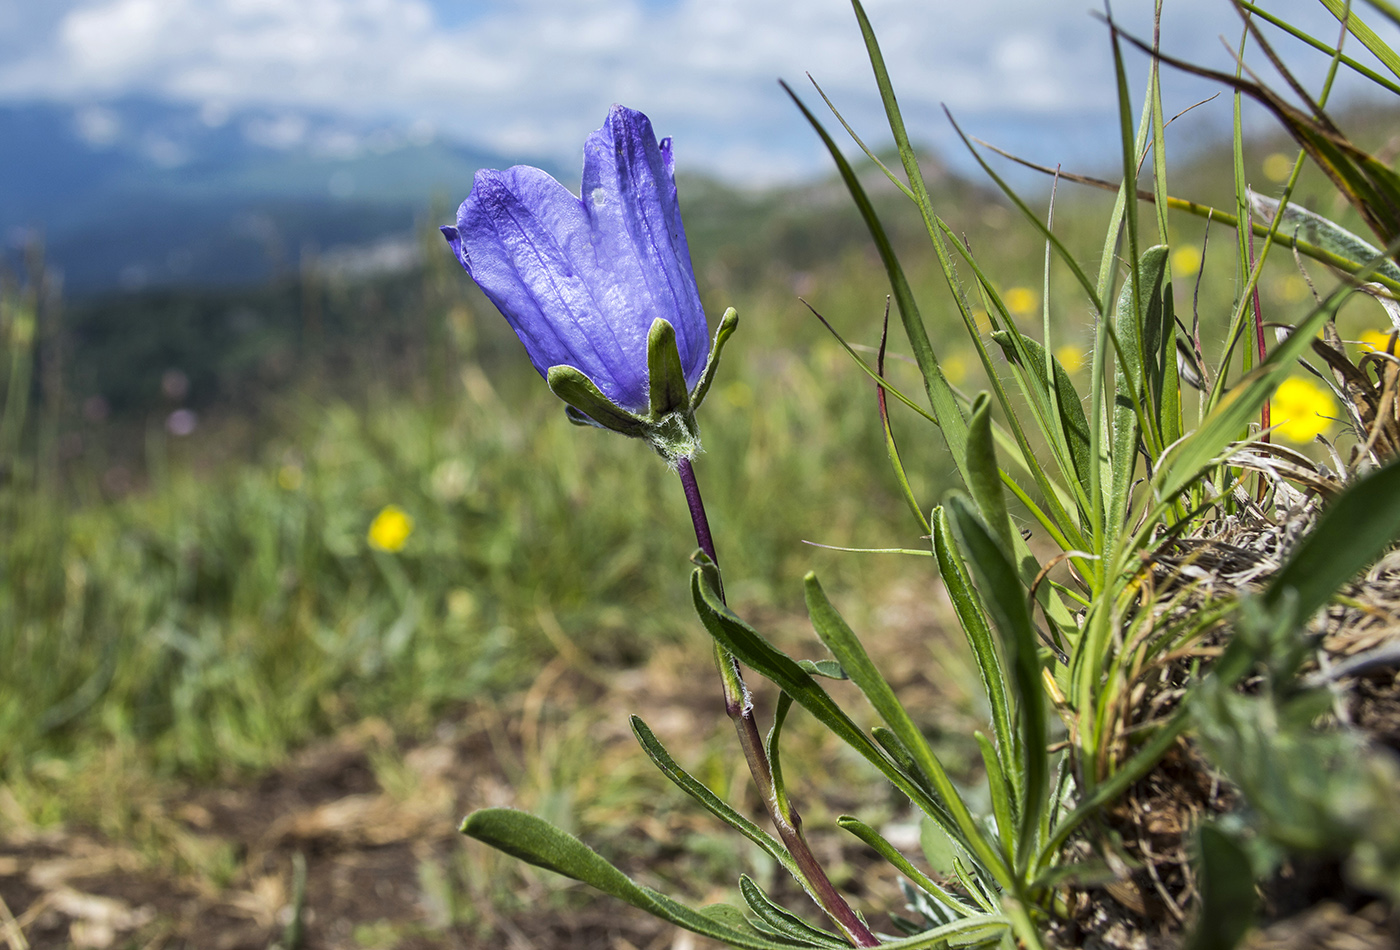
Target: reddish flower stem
column 739, row 708
column 1264, row 415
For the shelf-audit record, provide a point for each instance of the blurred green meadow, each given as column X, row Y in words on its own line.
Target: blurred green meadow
column 190, row 611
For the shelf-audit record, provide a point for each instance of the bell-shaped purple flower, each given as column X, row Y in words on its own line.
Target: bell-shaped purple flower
column 584, row 282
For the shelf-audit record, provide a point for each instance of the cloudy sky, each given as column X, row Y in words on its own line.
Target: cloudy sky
column 532, row 77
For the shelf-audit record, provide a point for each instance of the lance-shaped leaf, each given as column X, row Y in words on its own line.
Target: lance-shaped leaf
column 843, row 643
column 708, row 799
column 783, row 923
column 1309, row 226
column 1352, row 531
column 536, row 841
column 984, row 474
column 1006, row 600
column 753, row 649
column 977, row 628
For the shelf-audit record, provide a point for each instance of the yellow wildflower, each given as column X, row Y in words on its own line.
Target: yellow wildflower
column 1301, row 410
column 1293, row 288
column 1278, row 166
column 954, row 368
column 1378, row 340
column 1071, row 357
column 1021, row 301
column 390, row 529
column 738, row 394
column 289, row 477
column 1186, row 260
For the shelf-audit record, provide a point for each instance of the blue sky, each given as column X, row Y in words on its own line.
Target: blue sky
column 533, row 77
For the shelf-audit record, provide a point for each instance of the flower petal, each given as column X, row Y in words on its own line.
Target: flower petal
column 629, row 192
column 525, row 241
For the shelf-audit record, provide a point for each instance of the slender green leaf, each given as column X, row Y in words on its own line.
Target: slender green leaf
column 783, row 922
column 1006, row 600
column 841, row 640
column 708, row 799
column 984, row 474
column 537, row 842
column 1063, row 252
column 1355, row 529
column 1003, row 808
column 745, row 643
column 1357, row 27
column 940, row 394
column 1227, row 892
column 1320, row 46
column 1073, row 426
column 976, row 627
column 891, row 447
column 891, row 744
column 902, row 864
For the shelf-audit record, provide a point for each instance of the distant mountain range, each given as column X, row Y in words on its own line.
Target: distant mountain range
column 136, row 192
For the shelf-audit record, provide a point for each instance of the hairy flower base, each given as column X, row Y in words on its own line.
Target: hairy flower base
column 669, row 427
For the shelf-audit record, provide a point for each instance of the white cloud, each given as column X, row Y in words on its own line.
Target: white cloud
column 537, row 75
column 97, row 126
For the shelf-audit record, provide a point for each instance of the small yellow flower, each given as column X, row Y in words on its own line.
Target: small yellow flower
column 289, row 477
column 1301, row 410
column 1293, row 288
column 1377, row 340
column 954, row 368
column 1278, row 166
column 1021, row 301
column 390, row 529
column 1071, row 357
column 738, row 394
column 1186, row 260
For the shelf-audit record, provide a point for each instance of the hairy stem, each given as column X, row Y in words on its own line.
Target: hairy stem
column 739, row 707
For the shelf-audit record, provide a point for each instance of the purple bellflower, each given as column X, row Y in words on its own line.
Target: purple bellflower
column 600, row 289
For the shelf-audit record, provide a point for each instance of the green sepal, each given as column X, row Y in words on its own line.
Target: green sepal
column 586, row 399
column 666, row 387
column 727, row 325
column 674, row 435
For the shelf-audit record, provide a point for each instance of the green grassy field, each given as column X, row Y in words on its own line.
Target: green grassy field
column 204, row 621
